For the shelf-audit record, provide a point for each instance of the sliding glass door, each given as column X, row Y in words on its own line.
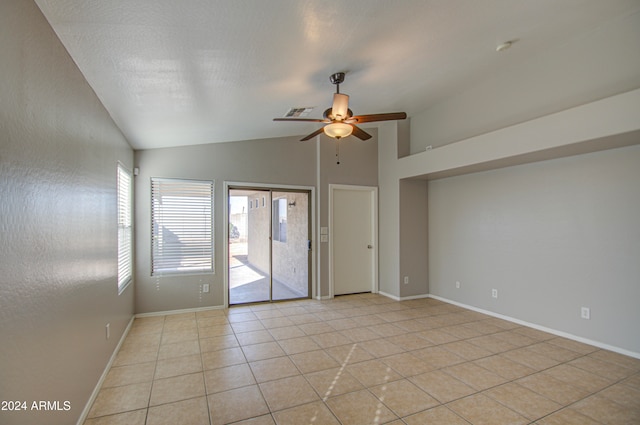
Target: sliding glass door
column 249, row 264
column 268, row 241
column 290, row 245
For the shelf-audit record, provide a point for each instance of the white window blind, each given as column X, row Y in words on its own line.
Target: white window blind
column 125, row 228
column 182, row 226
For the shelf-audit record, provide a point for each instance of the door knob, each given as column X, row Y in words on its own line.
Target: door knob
column 370, row 246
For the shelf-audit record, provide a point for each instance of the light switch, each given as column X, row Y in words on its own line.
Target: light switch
column 324, row 238
column 324, row 231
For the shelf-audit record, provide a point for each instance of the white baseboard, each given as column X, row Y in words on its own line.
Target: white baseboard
column 410, row 297
column 542, row 328
column 393, row 297
column 186, row 310
column 96, row 390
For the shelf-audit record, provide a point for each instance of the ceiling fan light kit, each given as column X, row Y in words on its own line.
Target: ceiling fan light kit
column 340, row 108
column 338, row 130
column 339, row 119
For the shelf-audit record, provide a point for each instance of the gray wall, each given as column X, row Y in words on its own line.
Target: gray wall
column 358, row 166
column 414, row 256
column 389, row 210
column 604, row 125
column 551, row 237
column 271, row 161
column 58, row 289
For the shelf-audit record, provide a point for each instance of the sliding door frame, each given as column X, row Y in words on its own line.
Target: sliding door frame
column 229, row 185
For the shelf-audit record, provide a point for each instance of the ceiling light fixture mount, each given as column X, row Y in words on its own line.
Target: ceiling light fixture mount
column 337, row 79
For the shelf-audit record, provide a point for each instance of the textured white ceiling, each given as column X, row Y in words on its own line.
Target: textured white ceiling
column 187, row 72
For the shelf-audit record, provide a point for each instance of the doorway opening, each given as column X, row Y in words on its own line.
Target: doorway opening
column 268, row 244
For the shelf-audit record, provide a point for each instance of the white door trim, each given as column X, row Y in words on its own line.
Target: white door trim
column 374, row 231
column 315, row 246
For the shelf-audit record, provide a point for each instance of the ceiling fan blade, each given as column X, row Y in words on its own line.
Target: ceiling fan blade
column 391, row 116
column 302, row 119
column 360, row 133
column 312, row 135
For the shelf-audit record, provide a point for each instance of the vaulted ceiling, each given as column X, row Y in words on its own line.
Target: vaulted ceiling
column 187, row 72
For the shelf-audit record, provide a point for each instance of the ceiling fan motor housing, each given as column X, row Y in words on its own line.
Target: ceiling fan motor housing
column 327, row 114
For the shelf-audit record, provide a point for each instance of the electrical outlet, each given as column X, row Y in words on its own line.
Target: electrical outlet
column 406, row 280
column 585, row 313
column 205, row 288
column 457, row 284
column 494, row 293
column 108, row 330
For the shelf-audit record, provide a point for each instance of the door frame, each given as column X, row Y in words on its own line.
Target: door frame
column 373, row 191
column 274, row 187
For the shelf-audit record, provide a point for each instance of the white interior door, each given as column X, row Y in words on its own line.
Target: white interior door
column 352, row 236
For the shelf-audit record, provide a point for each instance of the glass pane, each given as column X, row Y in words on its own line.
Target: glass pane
column 290, row 252
column 249, row 223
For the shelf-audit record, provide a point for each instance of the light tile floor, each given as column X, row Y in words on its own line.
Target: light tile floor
column 360, row 359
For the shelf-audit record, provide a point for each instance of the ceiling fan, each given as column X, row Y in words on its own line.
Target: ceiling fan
column 339, row 119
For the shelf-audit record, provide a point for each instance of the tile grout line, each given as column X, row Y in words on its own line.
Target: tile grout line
column 153, row 379
column 204, row 378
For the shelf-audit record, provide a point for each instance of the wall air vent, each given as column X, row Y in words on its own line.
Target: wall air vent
column 298, row 112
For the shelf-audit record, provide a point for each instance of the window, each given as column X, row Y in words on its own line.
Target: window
column 182, row 226
column 125, row 228
column 280, row 219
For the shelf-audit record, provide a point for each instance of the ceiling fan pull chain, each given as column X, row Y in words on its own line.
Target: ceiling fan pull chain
column 338, row 151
